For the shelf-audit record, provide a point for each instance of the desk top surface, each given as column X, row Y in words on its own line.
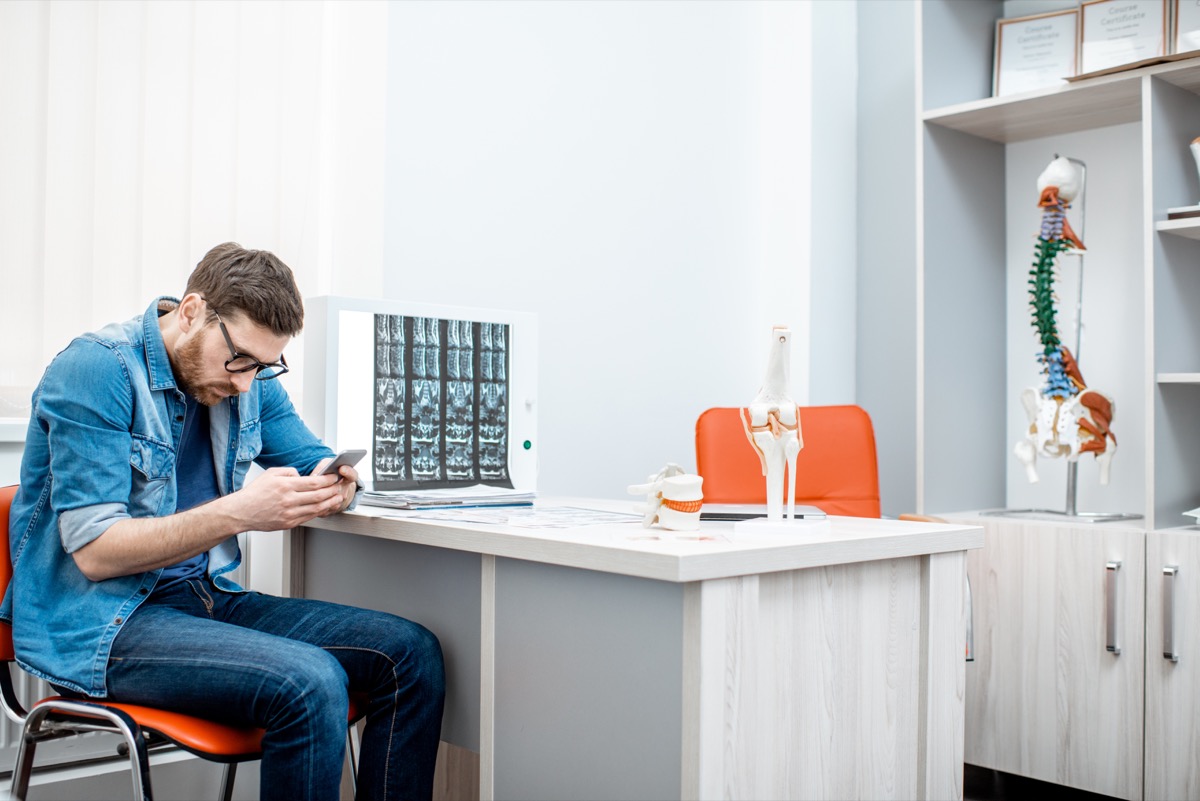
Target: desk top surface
column 716, row 551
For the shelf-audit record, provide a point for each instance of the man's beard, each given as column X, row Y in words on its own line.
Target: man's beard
column 188, row 360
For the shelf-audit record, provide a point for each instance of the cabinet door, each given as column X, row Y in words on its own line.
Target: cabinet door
column 1173, row 685
column 1046, row 698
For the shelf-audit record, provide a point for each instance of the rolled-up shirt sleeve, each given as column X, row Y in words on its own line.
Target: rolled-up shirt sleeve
column 78, row 527
column 85, row 405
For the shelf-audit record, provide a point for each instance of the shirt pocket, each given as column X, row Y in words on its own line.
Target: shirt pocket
column 249, row 442
column 249, row 446
column 152, row 465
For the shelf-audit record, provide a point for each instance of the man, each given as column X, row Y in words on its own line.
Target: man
column 123, row 534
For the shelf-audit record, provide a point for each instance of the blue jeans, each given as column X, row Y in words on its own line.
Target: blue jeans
column 287, row 665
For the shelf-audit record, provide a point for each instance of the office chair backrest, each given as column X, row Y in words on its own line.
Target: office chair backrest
column 6, row 498
column 836, row 471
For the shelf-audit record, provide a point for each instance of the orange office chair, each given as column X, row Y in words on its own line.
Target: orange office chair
column 141, row 726
column 836, row 470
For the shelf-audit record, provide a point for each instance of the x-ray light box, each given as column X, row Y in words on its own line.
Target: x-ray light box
column 440, row 396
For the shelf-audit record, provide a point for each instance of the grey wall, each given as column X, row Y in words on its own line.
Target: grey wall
column 834, row 188
column 885, row 352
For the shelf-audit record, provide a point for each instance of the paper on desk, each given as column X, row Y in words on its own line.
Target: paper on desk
column 477, row 495
column 523, row 517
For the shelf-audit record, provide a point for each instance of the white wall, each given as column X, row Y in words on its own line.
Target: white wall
column 638, row 174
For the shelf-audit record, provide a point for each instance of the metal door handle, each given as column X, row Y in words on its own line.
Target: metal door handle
column 1111, row 588
column 970, row 622
column 1170, row 572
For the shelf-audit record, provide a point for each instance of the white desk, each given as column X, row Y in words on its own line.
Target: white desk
column 592, row 663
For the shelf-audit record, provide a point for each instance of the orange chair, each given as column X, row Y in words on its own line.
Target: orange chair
column 836, row 470
column 141, row 726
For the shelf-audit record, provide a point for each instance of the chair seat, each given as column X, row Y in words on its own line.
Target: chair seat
column 206, row 737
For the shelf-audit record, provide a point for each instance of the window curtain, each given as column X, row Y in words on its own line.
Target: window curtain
column 136, row 135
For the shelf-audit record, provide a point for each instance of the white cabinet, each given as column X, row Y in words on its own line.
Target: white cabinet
column 1173, row 684
column 1045, row 695
column 1055, row 690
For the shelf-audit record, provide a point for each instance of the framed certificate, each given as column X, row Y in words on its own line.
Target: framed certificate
column 1187, row 26
column 1115, row 32
column 1035, row 52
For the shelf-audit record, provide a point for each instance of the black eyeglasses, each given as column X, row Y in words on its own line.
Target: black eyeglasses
column 241, row 363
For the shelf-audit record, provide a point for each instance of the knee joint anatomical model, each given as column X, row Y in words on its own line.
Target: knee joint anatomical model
column 772, row 424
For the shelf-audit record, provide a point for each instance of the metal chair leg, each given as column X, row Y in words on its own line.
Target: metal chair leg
column 139, row 768
column 23, row 768
column 227, row 777
column 352, row 748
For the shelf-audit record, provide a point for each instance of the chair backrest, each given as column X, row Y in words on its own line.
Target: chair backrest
column 6, row 498
column 836, row 471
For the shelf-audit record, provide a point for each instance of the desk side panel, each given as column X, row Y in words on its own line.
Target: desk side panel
column 805, row 684
column 435, row 587
column 588, row 670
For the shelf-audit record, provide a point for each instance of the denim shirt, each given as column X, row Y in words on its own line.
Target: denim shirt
column 106, row 422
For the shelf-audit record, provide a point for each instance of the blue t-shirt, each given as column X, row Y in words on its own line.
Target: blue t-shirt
column 195, row 481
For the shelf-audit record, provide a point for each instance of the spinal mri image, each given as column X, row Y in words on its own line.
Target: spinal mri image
column 440, row 403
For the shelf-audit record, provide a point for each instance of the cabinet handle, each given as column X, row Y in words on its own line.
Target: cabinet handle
column 970, row 622
column 1170, row 572
column 1111, row 586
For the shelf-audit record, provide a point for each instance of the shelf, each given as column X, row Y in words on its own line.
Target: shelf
column 1093, row 103
column 1188, row 227
column 1179, row 378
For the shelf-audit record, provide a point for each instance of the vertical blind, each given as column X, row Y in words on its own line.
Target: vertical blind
column 136, row 135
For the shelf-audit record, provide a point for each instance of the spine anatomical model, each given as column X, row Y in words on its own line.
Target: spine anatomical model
column 1065, row 417
column 772, row 424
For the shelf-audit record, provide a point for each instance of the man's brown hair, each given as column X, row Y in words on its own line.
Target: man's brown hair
column 254, row 282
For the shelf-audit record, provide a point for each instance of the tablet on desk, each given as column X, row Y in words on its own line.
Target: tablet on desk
column 749, row 511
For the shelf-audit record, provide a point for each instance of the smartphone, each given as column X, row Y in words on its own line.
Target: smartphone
column 347, row 458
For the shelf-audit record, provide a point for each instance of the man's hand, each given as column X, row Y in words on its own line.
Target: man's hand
column 281, row 498
column 347, row 483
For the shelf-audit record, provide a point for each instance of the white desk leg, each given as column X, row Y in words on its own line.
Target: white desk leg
column 943, row 675
column 487, row 679
column 719, row 700
column 293, row 564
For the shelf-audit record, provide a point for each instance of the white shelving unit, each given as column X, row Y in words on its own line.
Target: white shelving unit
column 964, row 135
column 1043, row 616
column 1189, row 228
column 1091, row 103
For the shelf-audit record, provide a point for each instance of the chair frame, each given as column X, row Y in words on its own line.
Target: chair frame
column 77, row 717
